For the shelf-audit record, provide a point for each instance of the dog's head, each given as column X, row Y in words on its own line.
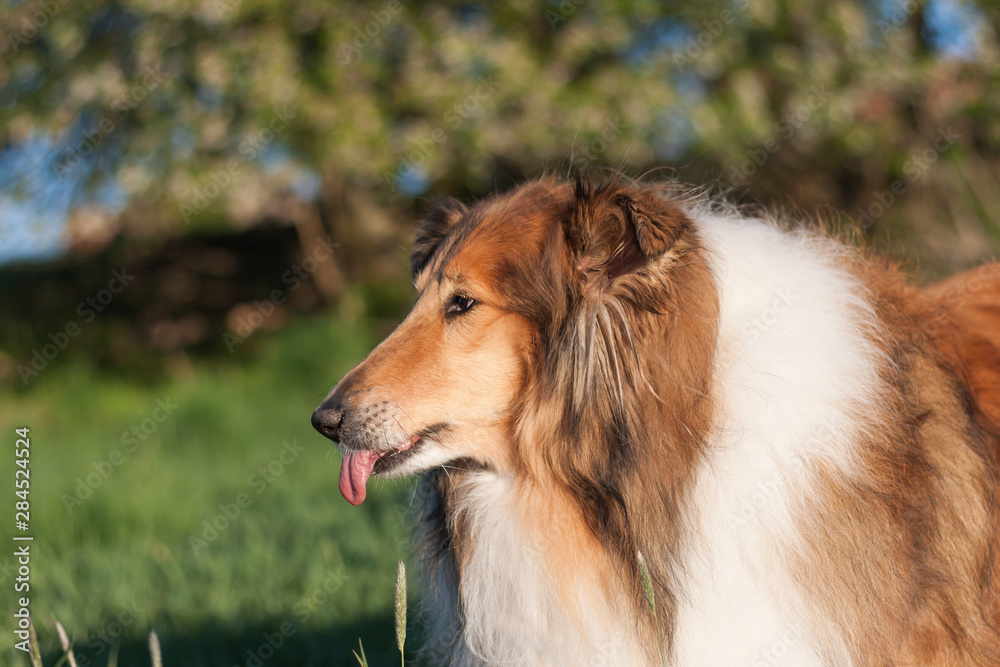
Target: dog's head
column 514, row 296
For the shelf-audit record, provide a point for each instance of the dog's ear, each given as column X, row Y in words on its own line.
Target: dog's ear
column 443, row 215
column 613, row 230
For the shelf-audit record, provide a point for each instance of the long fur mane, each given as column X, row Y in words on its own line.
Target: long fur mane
column 664, row 398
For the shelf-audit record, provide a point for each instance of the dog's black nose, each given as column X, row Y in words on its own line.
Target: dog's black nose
column 328, row 421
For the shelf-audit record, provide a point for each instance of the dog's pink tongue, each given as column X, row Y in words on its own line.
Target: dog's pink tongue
column 354, row 474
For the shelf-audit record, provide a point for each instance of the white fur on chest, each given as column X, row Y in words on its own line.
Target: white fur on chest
column 793, row 369
column 513, row 614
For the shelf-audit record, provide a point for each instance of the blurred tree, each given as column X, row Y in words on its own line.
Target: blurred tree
column 190, row 115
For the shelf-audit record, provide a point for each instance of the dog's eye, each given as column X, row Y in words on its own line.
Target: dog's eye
column 460, row 304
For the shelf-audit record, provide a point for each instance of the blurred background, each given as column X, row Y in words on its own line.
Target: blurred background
column 205, row 209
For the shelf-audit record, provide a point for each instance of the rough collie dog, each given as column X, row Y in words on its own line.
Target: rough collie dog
column 802, row 447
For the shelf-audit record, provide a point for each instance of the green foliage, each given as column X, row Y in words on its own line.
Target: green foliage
column 827, row 102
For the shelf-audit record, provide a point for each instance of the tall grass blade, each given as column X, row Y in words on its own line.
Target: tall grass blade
column 362, row 660
column 647, row 583
column 113, row 655
column 67, row 648
column 154, row 649
column 400, row 607
column 35, row 653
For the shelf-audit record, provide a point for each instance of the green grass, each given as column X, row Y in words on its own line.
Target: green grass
column 121, row 562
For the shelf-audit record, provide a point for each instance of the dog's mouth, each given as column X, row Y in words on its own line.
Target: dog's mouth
column 358, row 466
